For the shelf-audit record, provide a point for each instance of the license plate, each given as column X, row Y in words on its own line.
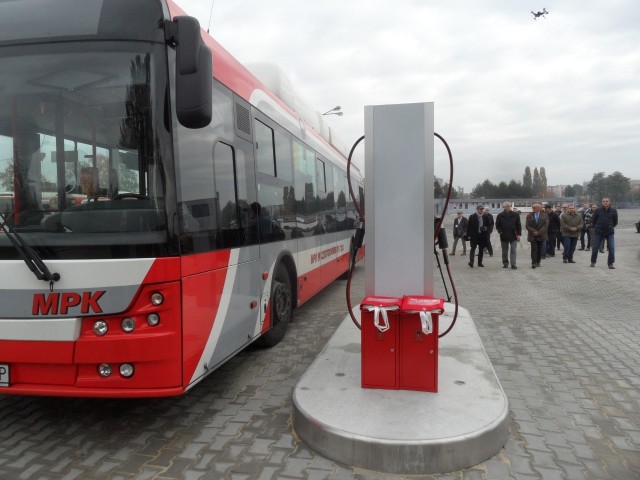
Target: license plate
column 4, row 375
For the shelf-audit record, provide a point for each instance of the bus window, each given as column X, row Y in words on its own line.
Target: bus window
column 325, row 202
column 222, row 114
column 265, row 162
column 274, row 211
column 229, row 233
column 341, row 192
column 284, row 162
column 305, row 188
column 320, row 176
column 269, row 212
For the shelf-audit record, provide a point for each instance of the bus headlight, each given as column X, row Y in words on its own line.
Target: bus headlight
column 153, row 319
column 104, row 370
column 157, row 298
column 126, row 370
column 128, row 325
column 100, row 328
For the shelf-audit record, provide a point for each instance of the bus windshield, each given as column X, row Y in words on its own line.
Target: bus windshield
column 84, row 149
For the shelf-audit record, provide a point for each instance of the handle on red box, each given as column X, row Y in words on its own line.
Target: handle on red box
column 378, row 312
column 427, row 324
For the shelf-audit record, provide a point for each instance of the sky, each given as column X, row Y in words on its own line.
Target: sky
column 561, row 92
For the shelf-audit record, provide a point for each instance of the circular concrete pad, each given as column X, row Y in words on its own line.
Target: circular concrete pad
column 399, row 431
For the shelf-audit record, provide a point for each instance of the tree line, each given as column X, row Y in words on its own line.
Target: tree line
column 615, row 185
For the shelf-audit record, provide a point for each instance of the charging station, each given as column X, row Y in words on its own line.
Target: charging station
column 398, row 423
column 400, row 352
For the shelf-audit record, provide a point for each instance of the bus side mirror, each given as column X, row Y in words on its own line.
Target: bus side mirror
column 194, row 72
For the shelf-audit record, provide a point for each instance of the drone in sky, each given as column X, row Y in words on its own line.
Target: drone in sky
column 539, row 14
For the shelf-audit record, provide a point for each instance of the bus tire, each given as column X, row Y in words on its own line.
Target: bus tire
column 281, row 305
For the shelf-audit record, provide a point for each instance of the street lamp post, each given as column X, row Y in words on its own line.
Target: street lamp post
column 337, row 110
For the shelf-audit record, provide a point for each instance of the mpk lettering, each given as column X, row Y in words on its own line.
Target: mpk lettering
column 61, row 303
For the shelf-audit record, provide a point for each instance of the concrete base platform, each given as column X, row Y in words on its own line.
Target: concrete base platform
column 399, row 431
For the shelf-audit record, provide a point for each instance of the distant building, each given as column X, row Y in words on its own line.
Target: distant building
column 494, row 205
column 557, row 190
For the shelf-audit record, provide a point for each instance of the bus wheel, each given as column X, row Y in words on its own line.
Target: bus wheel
column 281, row 308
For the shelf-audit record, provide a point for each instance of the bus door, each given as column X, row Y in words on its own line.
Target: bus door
column 221, row 289
column 273, row 213
column 235, row 197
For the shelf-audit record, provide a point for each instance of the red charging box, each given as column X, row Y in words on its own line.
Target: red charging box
column 379, row 345
column 400, row 342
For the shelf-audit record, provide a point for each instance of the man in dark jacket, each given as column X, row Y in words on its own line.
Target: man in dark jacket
column 586, row 210
column 536, row 225
column 476, row 231
column 558, row 212
column 509, row 227
column 604, row 221
column 553, row 230
column 488, row 221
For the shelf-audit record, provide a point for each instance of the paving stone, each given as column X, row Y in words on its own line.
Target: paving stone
column 73, row 474
column 294, row 467
column 268, row 473
column 572, row 471
column 61, row 465
column 31, row 472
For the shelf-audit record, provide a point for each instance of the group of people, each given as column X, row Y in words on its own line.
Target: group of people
column 546, row 230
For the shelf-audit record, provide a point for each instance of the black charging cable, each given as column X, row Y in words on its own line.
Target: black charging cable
column 440, row 238
column 358, row 237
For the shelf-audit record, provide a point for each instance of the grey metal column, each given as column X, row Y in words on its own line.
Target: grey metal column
column 399, row 199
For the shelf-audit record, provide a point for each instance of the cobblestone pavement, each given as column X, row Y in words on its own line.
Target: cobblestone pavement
column 563, row 340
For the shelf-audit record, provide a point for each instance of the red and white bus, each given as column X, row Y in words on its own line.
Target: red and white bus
column 188, row 212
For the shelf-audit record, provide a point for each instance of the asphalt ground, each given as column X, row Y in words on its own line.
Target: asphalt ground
column 562, row 338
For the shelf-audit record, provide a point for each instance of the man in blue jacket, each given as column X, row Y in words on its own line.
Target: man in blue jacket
column 604, row 221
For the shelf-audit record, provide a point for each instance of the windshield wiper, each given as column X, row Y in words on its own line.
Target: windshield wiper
column 28, row 254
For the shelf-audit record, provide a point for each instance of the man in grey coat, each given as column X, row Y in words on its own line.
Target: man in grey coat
column 571, row 226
